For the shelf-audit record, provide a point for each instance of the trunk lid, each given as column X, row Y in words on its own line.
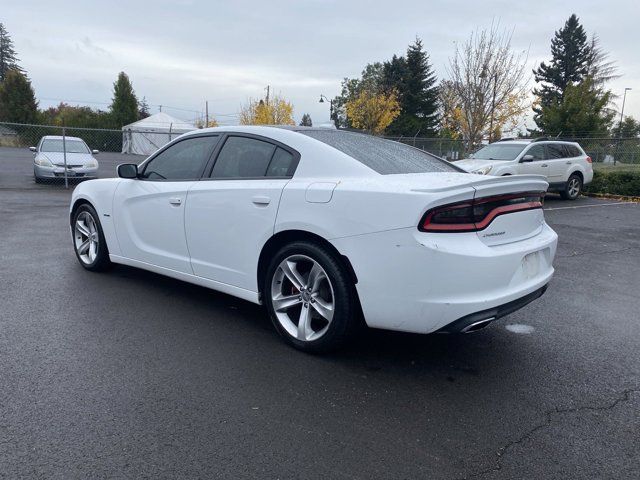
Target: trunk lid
column 515, row 226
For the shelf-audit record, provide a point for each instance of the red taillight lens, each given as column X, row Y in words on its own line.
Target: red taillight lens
column 589, row 160
column 477, row 214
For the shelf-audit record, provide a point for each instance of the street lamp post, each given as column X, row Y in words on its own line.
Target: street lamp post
column 322, row 100
column 624, row 99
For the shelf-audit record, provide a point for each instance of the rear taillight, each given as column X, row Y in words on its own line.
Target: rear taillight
column 589, row 160
column 477, row 214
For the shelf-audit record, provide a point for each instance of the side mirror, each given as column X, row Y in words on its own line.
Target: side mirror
column 33, row 149
column 95, row 152
column 527, row 158
column 128, row 170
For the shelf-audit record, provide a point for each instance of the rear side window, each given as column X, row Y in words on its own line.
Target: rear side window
column 383, row 156
column 243, row 157
column 572, row 151
column 282, row 164
column 184, row 160
column 555, row 150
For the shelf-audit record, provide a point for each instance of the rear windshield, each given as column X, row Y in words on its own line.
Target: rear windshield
column 383, row 156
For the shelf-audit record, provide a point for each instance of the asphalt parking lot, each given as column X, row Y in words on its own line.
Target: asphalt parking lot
column 128, row 374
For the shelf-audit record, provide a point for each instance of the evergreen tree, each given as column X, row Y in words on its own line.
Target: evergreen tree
column 583, row 111
column 143, row 109
column 124, row 106
column 306, row 121
column 630, row 128
column 17, row 99
column 571, row 58
column 414, row 80
column 8, row 57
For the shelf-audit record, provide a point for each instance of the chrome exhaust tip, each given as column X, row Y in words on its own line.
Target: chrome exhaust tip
column 479, row 325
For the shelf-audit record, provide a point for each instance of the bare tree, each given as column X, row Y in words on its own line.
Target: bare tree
column 489, row 80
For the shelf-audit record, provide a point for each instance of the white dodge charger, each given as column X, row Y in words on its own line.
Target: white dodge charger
column 324, row 227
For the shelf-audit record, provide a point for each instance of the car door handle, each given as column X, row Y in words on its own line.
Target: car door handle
column 544, row 165
column 175, row 201
column 568, row 163
column 261, row 200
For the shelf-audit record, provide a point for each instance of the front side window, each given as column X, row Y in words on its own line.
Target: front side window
column 499, row 151
column 184, row 160
column 55, row 145
column 243, row 157
column 537, row 152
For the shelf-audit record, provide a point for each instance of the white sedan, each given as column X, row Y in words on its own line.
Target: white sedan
column 324, row 227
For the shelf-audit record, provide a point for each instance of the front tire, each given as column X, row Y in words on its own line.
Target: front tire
column 573, row 188
column 88, row 239
column 310, row 297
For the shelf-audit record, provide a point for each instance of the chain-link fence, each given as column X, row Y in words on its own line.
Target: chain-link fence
column 61, row 158
column 610, row 150
column 66, row 155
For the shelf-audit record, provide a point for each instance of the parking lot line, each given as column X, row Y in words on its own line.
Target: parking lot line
column 592, row 205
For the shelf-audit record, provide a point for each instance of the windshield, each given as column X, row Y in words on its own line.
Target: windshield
column 55, row 145
column 383, row 156
column 498, row 151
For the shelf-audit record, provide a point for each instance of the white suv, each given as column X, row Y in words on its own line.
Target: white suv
column 565, row 164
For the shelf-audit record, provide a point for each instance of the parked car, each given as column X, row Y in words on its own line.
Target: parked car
column 49, row 161
column 565, row 164
column 323, row 227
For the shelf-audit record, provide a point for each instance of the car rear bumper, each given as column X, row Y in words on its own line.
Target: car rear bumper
column 478, row 320
column 423, row 282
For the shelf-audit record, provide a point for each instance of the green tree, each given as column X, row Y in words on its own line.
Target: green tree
column 570, row 62
column 124, row 105
column 371, row 80
column 75, row 116
column 143, row 109
column 415, row 81
column 17, row 99
column 630, row 128
column 306, row 121
column 8, row 56
column 582, row 111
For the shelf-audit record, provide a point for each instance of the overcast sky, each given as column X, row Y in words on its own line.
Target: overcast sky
column 181, row 53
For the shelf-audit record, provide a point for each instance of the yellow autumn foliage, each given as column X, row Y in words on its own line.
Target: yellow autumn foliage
column 277, row 111
column 373, row 112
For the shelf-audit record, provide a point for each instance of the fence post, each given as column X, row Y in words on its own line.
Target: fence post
column 64, row 154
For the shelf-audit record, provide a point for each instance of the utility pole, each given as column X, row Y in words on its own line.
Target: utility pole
column 624, row 99
column 493, row 106
column 206, row 114
column 160, row 107
column 64, row 153
column 267, row 89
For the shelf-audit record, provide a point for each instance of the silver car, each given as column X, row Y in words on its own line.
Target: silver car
column 49, row 161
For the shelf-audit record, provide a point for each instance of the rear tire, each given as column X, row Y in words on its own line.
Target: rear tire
column 573, row 188
column 306, row 282
column 88, row 239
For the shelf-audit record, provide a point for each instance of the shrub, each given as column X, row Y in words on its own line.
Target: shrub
column 615, row 183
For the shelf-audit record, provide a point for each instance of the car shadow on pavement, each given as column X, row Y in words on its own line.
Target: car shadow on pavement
column 448, row 356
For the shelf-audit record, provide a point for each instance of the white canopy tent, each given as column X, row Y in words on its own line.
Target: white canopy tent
column 149, row 134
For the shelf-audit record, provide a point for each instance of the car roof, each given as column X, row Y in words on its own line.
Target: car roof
column 60, row 137
column 527, row 141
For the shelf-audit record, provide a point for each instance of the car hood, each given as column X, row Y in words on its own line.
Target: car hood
column 471, row 164
column 57, row 158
